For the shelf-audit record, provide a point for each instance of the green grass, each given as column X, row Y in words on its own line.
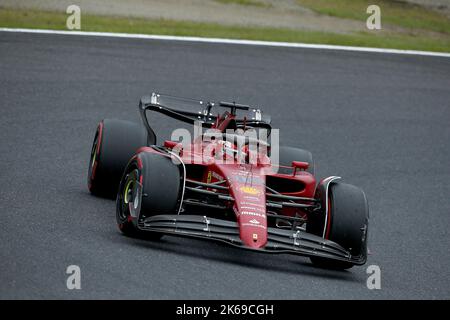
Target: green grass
column 254, row 3
column 54, row 20
column 397, row 13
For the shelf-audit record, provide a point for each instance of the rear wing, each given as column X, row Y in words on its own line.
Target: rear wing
column 183, row 109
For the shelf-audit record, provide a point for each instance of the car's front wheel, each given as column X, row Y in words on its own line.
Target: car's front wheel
column 346, row 223
column 150, row 185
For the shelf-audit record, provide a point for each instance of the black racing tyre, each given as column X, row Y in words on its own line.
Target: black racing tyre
column 347, row 224
column 151, row 185
column 289, row 154
column 115, row 142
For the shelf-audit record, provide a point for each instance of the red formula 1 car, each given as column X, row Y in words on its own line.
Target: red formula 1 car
column 226, row 184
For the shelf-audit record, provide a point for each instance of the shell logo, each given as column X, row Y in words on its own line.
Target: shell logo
column 250, row 190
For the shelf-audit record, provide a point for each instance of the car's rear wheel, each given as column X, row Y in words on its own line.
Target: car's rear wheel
column 150, row 185
column 115, row 142
column 346, row 224
column 289, row 154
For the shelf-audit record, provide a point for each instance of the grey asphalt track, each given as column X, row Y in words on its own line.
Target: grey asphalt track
column 380, row 121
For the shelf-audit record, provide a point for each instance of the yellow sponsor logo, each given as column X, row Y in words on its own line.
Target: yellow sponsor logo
column 250, row 190
column 209, row 178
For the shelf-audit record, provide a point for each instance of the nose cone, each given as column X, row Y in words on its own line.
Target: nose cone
column 247, row 186
column 252, row 219
column 253, row 232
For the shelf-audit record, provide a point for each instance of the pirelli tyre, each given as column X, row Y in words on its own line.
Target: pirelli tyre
column 346, row 223
column 151, row 185
column 115, row 142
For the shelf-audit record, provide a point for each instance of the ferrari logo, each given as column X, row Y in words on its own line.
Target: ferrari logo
column 208, row 179
column 250, row 190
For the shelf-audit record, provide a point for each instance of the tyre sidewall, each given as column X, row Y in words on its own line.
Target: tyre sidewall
column 349, row 215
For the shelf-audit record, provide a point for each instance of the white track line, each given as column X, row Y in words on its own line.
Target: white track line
column 230, row 41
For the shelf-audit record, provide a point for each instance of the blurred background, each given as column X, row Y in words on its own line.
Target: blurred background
column 407, row 24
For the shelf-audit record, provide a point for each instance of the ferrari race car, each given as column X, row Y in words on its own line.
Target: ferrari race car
column 226, row 184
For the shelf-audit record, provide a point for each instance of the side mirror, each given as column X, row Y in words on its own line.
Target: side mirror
column 299, row 165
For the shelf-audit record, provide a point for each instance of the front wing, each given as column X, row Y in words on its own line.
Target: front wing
column 278, row 240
